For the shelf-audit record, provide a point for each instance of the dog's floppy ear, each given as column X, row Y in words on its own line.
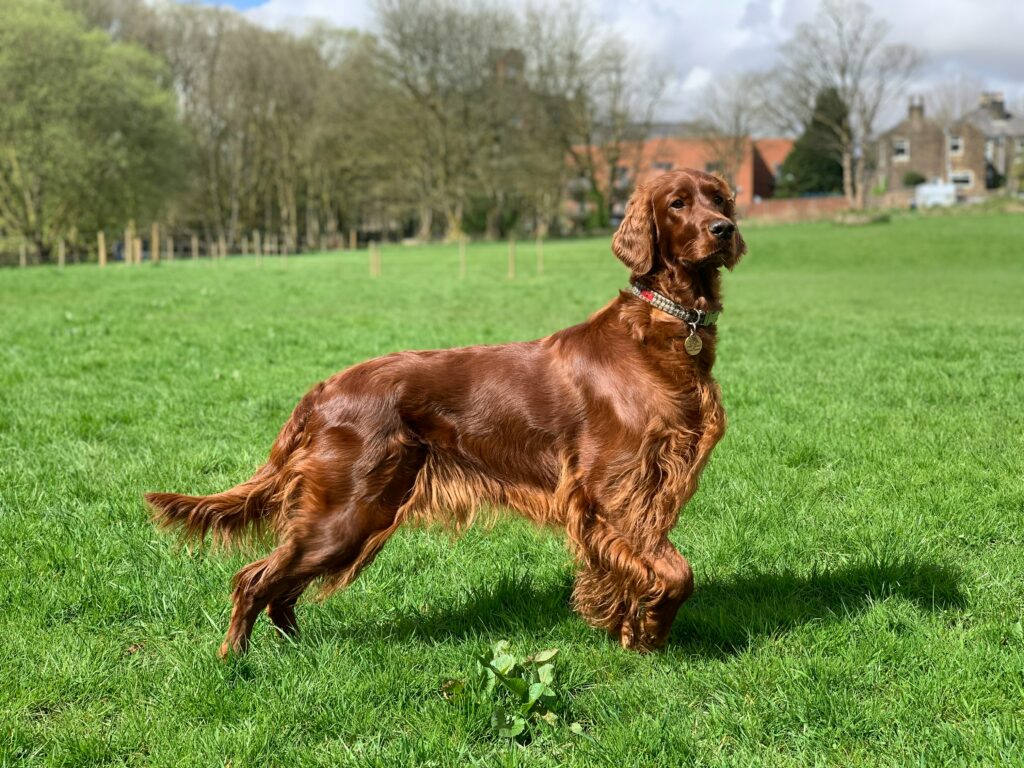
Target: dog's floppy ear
column 635, row 239
column 730, row 209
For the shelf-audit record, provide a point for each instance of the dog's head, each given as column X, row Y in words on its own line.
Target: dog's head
column 682, row 218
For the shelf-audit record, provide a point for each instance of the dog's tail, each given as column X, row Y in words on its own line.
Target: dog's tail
column 227, row 515
column 246, row 508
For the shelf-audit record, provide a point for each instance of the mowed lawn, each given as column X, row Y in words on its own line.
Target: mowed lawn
column 858, row 537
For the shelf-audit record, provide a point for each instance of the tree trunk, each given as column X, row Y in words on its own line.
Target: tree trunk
column 453, row 222
column 491, row 227
column 426, row 223
column 860, row 184
column 848, row 190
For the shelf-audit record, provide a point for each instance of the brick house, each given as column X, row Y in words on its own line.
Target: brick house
column 754, row 177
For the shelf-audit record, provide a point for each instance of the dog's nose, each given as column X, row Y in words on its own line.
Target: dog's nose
column 722, row 228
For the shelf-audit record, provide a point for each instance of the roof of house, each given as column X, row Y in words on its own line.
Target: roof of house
column 991, row 125
column 774, row 150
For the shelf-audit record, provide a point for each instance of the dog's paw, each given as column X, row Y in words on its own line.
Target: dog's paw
column 640, row 635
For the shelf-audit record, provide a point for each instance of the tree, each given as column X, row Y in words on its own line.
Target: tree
column 813, row 165
column 88, row 134
column 845, row 49
column 949, row 100
column 441, row 52
column 728, row 119
column 600, row 97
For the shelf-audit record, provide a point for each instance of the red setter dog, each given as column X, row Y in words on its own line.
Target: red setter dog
column 602, row 428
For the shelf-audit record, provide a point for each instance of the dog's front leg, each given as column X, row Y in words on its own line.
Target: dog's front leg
column 633, row 596
column 617, row 582
column 674, row 585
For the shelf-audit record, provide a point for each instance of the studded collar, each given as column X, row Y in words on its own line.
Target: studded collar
column 692, row 317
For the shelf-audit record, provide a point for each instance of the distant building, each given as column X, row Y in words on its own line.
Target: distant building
column 1004, row 136
column 974, row 153
column 755, row 175
column 918, row 149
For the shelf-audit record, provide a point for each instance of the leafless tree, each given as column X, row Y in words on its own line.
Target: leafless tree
column 600, row 94
column 728, row 118
column 948, row 100
column 844, row 48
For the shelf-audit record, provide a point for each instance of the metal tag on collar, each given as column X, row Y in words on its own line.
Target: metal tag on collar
column 693, row 344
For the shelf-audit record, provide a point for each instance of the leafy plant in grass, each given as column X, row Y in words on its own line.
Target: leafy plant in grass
column 519, row 694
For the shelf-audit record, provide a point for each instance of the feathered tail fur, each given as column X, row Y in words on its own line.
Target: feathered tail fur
column 248, row 507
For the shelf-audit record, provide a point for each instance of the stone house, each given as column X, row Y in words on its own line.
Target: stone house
column 1004, row 136
column 919, row 149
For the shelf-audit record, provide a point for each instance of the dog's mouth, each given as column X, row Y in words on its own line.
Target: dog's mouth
column 716, row 259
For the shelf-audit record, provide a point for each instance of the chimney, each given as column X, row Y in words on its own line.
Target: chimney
column 995, row 104
column 916, row 111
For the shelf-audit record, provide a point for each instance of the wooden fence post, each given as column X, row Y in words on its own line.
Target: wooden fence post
column 130, row 246
column 154, row 243
column 376, row 262
column 195, row 247
column 511, row 258
column 353, row 239
column 540, row 256
column 245, row 245
column 170, row 247
column 222, row 247
column 462, row 256
column 126, row 252
column 138, row 250
column 61, row 253
column 101, row 248
column 23, row 255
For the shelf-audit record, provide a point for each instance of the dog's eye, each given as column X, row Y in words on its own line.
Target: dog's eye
column 677, row 203
column 719, row 199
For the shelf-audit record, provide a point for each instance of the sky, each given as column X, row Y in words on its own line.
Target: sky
column 697, row 41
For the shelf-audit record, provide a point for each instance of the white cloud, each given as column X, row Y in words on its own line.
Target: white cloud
column 294, row 14
column 696, row 41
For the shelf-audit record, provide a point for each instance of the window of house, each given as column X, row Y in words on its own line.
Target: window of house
column 663, row 166
column 715, row 167
column 1020, row 145
column 962, row 179
column 956, row 144
column 990, row 149
column 901, row 149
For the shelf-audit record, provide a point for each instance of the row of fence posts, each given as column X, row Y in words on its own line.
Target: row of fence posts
column 133, row 252
column 376, row 264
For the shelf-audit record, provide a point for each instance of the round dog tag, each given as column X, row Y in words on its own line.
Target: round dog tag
column 693, row 344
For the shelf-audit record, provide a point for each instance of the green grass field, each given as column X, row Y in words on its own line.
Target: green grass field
column 858, row 539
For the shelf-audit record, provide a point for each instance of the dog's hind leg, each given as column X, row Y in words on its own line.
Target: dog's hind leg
column 333, row 533
column 332, row 543
column 281, row 609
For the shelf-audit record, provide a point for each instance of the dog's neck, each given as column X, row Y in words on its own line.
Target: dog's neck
column 692, row 287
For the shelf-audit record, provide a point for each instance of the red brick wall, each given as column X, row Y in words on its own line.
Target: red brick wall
column 795, row 208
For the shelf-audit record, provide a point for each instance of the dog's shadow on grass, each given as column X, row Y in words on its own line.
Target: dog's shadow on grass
column 723, row 617
column 726, row 616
